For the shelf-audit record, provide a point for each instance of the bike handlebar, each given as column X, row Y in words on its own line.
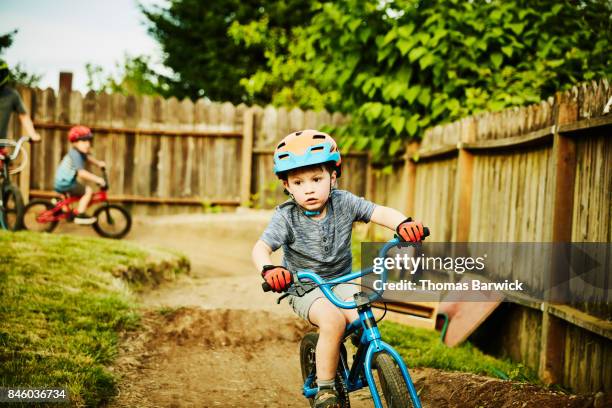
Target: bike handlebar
column 325, row 285
column 17, row 145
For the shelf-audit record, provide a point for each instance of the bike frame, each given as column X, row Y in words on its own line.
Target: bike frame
column 370, row 342
column 57, row 213
column 5, row 173
column 6, row 161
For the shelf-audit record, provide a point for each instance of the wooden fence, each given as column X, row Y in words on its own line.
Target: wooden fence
column 541, row 173
column 166, row 155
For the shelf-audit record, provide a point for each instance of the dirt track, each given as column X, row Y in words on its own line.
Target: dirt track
column 220, row 341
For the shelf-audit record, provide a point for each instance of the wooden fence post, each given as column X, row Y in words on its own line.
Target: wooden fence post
column 65, row 81
column 370, row 192
column 410, row 169
column 247, row 157
column 462, row 206
column 552, row 345
column 24, row 176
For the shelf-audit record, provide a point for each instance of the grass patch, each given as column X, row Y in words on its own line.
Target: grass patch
column 61, row 308
column 423, row 348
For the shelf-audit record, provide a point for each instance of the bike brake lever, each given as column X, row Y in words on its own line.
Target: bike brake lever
column 281, row 298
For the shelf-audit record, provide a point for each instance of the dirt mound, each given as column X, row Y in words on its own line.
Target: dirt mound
column 229, row 327
column 443, row 389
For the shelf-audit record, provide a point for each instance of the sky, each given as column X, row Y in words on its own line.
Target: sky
column 63, row 35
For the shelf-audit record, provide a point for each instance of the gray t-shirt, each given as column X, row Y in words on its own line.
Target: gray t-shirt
column 10, row 102
column 323, row 246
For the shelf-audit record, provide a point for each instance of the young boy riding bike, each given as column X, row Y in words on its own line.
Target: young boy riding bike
column 72, row 170
column 314, row 229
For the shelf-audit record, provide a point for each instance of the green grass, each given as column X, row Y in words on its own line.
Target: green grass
column 61, row 309
column 424, row 348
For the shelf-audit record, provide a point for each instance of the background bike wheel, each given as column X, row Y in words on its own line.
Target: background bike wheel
column 390, row 382
column 112, row 221
column 12, row 216
column 307, row 362
column 31, row 213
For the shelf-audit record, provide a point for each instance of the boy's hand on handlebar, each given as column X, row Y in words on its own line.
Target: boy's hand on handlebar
column 410, row 231
column 278, row 277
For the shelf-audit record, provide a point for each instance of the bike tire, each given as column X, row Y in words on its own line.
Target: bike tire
column 307, row 363
column 119, row 214
column 394, row 388
column 12, row 211
column 32, row 210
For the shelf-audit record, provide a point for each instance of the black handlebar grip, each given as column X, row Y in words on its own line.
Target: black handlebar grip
column 265, row 287
column 425, row 232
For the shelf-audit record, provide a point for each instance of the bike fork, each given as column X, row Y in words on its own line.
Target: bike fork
column 2, row 209
column 109, row 219
column 376, row 345
column 379, row 346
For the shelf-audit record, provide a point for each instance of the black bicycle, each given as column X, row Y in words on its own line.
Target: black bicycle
column 11, row 202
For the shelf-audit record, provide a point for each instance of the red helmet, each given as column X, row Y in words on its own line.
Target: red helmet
column 79, row 133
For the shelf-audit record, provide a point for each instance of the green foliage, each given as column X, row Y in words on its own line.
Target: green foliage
column 18, row 73
column 400, row 66
column 206, row 60
column 19, row 76
column 210, row 208
column 270, row 192
column 6, row 40
column 133, row 76
column 61, row 310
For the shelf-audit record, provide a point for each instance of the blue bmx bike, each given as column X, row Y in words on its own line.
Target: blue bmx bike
column 373, row 355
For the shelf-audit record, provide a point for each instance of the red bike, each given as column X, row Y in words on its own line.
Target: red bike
column 112, row 220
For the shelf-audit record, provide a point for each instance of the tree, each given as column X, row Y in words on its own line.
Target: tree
column 19, row 75
column 133, row 75
column 400, row 66
column 6, row 40
column 206, row 60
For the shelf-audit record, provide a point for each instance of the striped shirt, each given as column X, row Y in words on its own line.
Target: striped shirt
column 66, row 173
column 324, row 245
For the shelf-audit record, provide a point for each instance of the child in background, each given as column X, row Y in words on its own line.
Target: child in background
column 314, row 229
column 71, row 172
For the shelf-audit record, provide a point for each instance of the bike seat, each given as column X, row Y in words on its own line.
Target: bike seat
column 61, row 195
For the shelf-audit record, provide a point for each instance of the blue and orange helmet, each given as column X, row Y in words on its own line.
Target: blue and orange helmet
column 306, row 148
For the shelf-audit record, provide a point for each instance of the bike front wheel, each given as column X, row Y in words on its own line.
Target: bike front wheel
column 112, row 221
column 308, row 346
column 12, row 208
column 35, row 219
column 391, row 380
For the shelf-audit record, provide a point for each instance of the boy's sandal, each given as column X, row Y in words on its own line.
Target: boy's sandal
column 326, row 398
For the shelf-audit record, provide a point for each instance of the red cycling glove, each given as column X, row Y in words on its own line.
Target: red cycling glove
column 278, row 277
column 410, row 231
